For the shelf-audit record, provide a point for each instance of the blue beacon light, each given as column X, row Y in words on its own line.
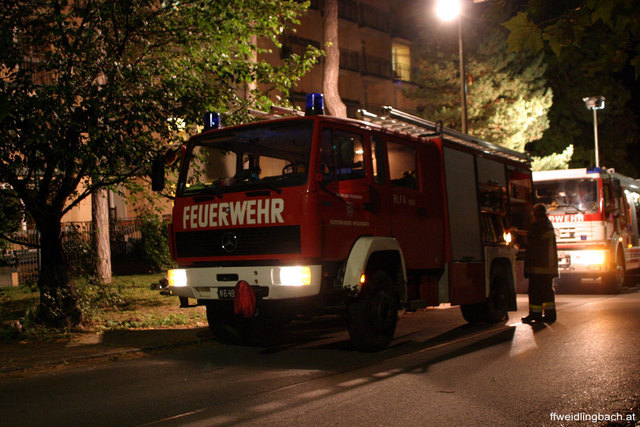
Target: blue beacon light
column 314, row 104
column 212, row 121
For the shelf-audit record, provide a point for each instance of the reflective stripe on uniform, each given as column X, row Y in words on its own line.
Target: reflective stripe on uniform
column 535, row 308
column 551, row 271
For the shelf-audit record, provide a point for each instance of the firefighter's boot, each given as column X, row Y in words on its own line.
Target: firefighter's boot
column 549, row 312
column 535, row 314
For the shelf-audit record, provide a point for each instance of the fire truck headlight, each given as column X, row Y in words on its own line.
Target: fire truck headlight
column 591, row 257
column 295, row 276
column 177, row 278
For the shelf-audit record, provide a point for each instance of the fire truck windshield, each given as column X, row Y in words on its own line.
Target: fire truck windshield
column 568, row 196
column 264, row 155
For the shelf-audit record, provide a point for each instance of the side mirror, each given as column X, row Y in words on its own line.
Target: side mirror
column 157, row 174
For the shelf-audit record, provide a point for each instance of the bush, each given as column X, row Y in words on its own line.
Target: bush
column 78, row 250
column 153, row 247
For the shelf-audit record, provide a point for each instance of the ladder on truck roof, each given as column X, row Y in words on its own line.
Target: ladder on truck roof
column 414, row 125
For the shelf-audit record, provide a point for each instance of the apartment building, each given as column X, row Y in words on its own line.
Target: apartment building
column 375, row 62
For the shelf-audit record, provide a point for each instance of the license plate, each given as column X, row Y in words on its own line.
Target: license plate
column 564, row 261
column 226, row 293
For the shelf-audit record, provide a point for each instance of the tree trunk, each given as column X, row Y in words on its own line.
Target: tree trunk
column 253, row 85
column 58, row 299
column 332, row 61
column 101, row 245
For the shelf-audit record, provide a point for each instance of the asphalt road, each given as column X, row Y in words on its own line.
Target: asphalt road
column 438, row 371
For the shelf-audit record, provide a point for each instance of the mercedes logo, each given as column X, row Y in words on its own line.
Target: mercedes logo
column 229, row 241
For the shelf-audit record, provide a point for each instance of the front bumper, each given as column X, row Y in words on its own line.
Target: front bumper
column 588, row 262
column 275, row 283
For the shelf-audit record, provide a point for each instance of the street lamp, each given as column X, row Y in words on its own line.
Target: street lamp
column 595, row 103
column 448, row 10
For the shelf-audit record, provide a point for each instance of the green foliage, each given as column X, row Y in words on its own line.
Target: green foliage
column 567, row 26
column 88, row 88
column 507, row 96
column 129, row 302
column 78, row 250
column 153, row 248
column 591, row 48
column 11, row 214
column 552, row 161
column 16, row 305
column 524, row 34
column 96, row 295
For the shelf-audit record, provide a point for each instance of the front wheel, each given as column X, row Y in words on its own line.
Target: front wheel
column 615, row 280
column 374, row 315
column 226, row 326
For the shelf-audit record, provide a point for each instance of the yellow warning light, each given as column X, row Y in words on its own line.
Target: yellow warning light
column 507, row 237
column 363, row 279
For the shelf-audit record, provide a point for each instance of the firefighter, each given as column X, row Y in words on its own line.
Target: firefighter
column 541, row 266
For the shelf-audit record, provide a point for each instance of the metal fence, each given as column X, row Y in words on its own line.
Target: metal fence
column 77, row 244
column 23, row 259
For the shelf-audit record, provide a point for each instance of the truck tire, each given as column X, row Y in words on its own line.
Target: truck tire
column 568, row 283
column 614, row 281
column 225, row 325
column 473, row 313
column 496, row 304
column 372, row 317
column 492, row 310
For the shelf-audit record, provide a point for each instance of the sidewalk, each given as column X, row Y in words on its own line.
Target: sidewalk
column 19, row 359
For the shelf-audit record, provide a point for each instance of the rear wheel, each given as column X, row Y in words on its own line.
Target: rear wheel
column 498, row 296
column 494, row 309
column 374, row 315
column 473, row 313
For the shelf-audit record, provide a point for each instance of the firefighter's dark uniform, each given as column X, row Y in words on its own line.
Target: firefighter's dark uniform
column 541, row 266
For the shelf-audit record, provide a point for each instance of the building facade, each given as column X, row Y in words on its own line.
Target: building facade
column 375, row 63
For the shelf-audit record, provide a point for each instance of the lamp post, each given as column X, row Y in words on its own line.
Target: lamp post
column 448, row 10
column 595, row 103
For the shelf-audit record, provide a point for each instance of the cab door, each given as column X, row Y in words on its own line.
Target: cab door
column 344, row 190
column 414, row 219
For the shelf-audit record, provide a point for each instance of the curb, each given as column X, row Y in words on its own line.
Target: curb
column 101, row 354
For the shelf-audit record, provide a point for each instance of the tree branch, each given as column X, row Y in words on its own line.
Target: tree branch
column 10, row 239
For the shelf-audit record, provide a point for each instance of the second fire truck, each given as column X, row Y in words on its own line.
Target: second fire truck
column 305, row 215
column 595, row 214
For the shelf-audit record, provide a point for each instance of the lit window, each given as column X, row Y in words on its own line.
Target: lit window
column 401, row 61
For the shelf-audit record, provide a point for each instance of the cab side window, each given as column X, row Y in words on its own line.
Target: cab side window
column 609, row 203
column 402, row 165
column 377, row 160
column 342, row 155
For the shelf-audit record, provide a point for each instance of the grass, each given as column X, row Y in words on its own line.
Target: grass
column 129, row 302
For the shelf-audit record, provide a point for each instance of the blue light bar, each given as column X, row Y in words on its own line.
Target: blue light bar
column 212, row 121
column 594, row 170
column 314, row 105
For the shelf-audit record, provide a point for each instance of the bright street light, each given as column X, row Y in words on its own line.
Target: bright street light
column 595, row 103
column 448, row 10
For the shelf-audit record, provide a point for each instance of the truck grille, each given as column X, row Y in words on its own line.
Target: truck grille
column 566, row 235
column 239, row 241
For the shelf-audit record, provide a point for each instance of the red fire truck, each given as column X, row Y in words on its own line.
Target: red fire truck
column 305, row 215
column 595, row 214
